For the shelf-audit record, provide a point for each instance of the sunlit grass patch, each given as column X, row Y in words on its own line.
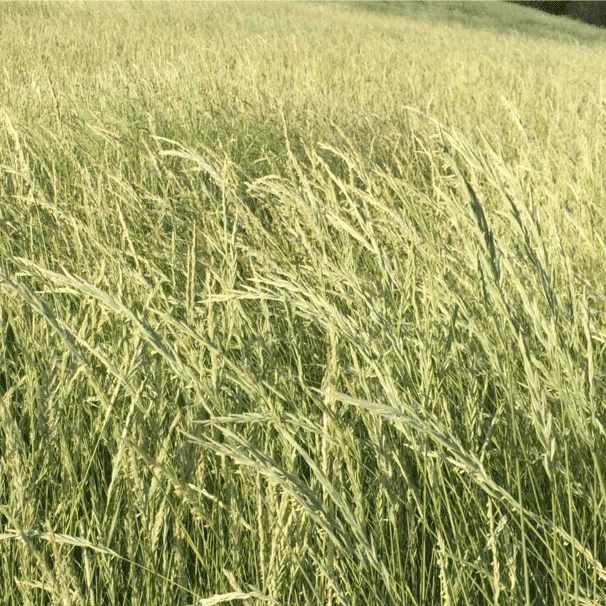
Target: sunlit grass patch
column 298, row 310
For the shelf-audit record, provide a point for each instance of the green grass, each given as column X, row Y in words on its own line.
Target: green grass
column 300, row 304
column 492, row 15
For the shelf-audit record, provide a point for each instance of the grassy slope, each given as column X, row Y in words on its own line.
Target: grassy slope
column 495, row 15
column 300, row 303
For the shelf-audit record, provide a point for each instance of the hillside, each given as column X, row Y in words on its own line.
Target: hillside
column 301, row 303
column 495, row 15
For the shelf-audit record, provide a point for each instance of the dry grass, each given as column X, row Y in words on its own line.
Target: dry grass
column 300, row 305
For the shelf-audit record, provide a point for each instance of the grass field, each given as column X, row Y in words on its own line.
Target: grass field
column 301, row 304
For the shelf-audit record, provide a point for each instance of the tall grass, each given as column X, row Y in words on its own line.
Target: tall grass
column 298, row 306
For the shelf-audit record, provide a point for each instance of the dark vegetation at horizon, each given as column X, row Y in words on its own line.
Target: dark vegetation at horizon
column 593, row 13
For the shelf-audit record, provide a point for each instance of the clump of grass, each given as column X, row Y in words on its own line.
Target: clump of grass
column 270, row 339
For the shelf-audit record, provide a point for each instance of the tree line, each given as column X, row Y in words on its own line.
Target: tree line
column 593, row 13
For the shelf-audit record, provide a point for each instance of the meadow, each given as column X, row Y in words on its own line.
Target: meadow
column 301, row 304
